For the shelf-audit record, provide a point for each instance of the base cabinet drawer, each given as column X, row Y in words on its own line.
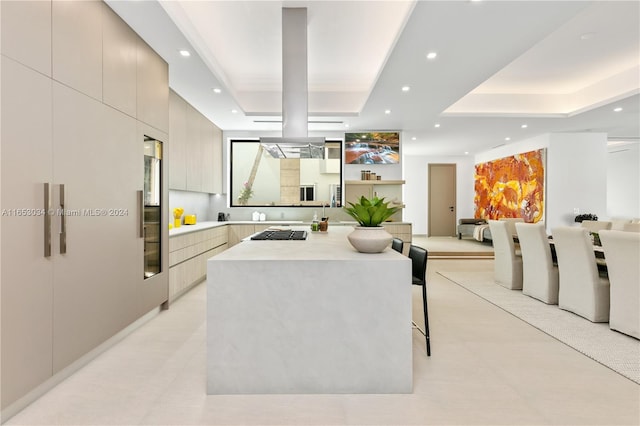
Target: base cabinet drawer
column 188, row 256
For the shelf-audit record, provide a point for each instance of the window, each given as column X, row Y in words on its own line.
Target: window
column 308, row 193
column 257, row 178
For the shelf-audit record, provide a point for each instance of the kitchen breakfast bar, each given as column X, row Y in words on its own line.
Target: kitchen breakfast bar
column 308, row 316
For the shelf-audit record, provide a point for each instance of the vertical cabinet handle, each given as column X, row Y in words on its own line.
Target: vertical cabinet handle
column 63, row 223
column 47, row 220
column 141, row 214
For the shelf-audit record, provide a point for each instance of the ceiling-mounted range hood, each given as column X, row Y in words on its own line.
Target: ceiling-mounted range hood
column 294, row 147
column 294, row 142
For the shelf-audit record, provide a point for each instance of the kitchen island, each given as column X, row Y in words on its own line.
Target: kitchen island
column 311, row 316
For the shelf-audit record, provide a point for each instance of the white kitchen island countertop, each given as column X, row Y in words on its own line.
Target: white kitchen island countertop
column 312, row 316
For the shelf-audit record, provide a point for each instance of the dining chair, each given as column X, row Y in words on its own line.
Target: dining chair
column 622, row 251
column 617, row 224
column 511, row 223
column 582, row 290
column 418, row 256
column 631, row 227
column 507, row 266
column 397, row 244
column 595, row 225
column 539, row 275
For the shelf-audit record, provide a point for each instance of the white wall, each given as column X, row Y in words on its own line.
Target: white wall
column 576, row 176
column 576, row 173
column 623, row 182
column 415, row 169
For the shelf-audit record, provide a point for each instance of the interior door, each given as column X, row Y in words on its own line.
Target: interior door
column 442, row 200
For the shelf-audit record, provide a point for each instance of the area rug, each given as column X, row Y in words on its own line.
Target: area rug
column 614, row 350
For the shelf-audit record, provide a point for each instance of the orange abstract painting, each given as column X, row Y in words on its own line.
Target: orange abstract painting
column 511, row 187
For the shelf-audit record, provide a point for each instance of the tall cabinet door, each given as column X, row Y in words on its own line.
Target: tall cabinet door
column 94, row 280
column 177, row 142
column 27, row 285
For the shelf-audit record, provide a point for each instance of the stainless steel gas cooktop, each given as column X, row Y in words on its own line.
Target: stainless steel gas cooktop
column 280, row 235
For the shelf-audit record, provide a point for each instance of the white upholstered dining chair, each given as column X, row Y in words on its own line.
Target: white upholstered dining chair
column 595, row 225
column 511, row 223
column 507, row 266
column 539, row 275
column 622, row 251
column 631, row 227
column 582, row 290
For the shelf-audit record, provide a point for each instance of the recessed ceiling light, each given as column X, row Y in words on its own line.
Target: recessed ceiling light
column 466, row 153
column 234, row 111
column 524, row 126
column 216, row 90
column 431, row 55
column 587, row 36
column 387, row 111
column 507, row 138
column 413, row 138
column 436, row 125
column 185, row 53
column 406, row 88
column 618, row 109
column 346, row 125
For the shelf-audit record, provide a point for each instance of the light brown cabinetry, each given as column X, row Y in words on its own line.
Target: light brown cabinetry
column 87, row 135
column 76, row 41
column 212, row 161
column 119, row 51
column 177, row 142
column 26, row 33
column 390, row 189
column 27, row 275
column 239, row 232
column 188, row 256
column 58, row 128
column 195, row 149
column 152, row 95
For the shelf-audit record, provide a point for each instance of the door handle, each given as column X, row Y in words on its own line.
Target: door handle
column 140, row 214
column 47, row 220
column 63, row 222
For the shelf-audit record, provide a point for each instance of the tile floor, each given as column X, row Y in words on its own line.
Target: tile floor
column 487, row 368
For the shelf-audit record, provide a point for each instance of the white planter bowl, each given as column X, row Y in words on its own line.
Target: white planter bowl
column 372, row 239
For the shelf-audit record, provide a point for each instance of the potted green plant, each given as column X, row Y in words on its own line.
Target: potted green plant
column 369, row 236
column 585, row 216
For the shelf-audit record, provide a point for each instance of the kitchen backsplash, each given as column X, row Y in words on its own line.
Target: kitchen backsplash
column 192, row 202
column 207, row 206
